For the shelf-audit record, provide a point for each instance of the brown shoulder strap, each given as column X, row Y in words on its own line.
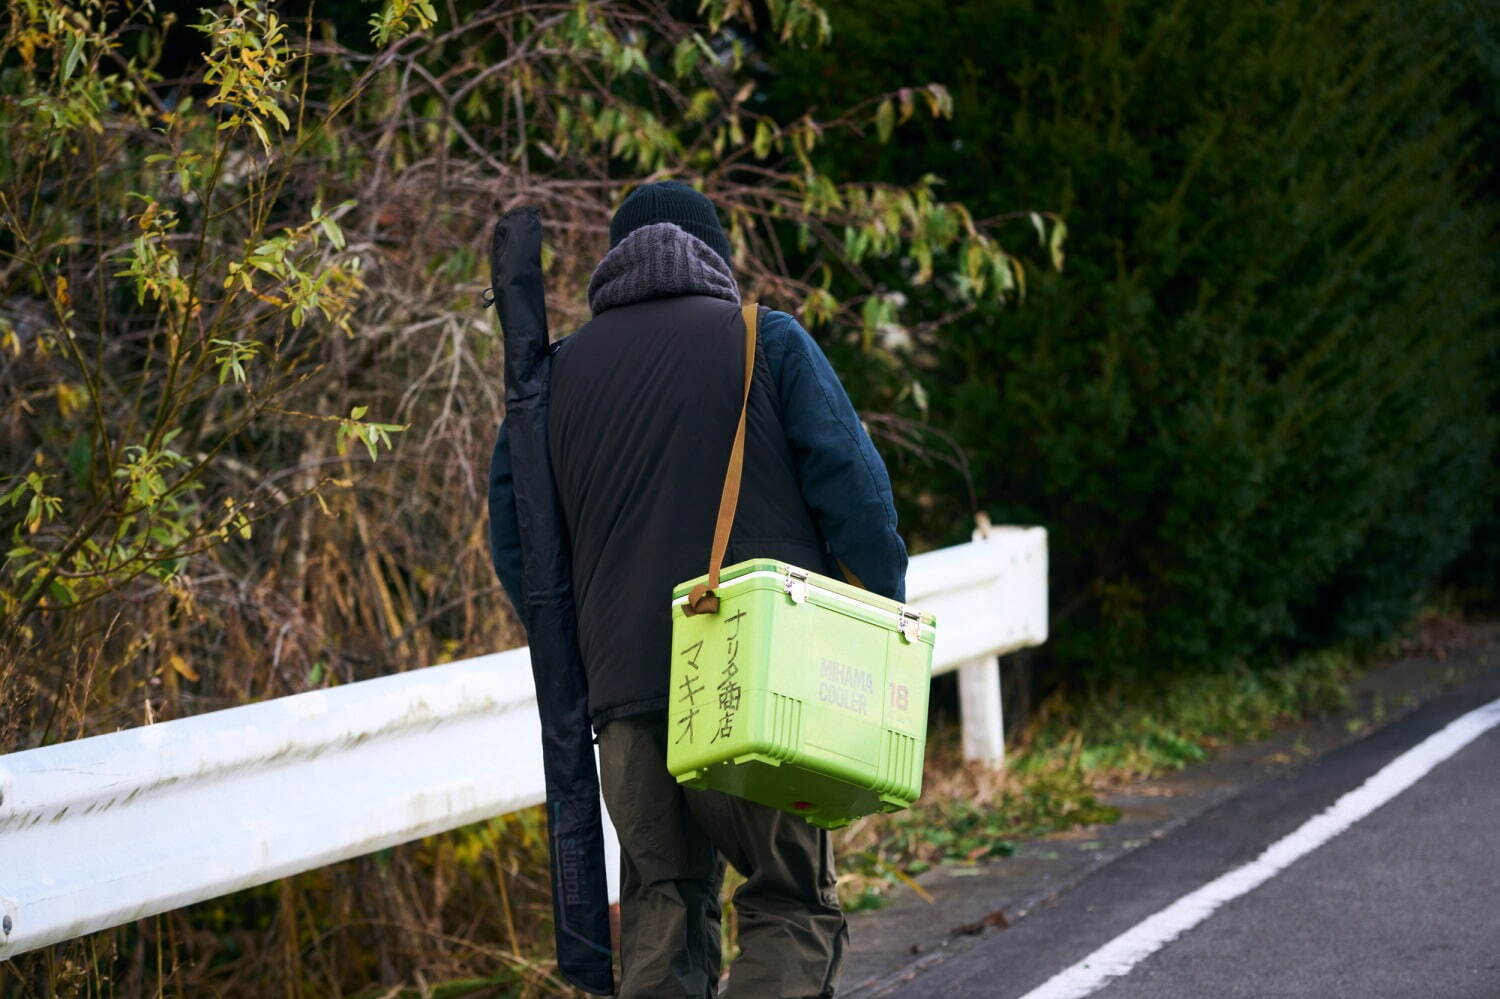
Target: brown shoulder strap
column 849, row 574
column 703, row 600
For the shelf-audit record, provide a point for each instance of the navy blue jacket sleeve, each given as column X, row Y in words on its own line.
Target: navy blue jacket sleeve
column 843, row 479
column 505, row 532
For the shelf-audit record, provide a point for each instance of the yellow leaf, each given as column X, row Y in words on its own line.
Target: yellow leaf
column 180, row 665
column 70, row 399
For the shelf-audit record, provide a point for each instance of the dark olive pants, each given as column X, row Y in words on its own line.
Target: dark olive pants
column 673, row 845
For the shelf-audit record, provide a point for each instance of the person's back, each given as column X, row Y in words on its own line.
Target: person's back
column 644, row 404
column 644, row 401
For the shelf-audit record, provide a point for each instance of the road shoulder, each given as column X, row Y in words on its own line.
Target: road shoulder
column 909, row 937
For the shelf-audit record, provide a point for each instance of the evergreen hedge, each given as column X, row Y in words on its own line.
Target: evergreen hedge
column 1254, row 409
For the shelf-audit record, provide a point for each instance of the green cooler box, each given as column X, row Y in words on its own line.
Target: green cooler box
column 803, row 693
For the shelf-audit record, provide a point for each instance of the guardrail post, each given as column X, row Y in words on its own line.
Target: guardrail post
column 980, row 712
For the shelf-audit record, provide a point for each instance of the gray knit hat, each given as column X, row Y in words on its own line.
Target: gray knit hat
column 670, row 201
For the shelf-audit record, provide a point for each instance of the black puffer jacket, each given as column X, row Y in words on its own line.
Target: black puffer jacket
column 645, row 400
column 644, row 403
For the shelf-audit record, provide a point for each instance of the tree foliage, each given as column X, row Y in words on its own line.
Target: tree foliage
column 216, row 266
column 240, row 251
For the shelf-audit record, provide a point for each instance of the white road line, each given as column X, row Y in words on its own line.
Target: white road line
column 1128, row 949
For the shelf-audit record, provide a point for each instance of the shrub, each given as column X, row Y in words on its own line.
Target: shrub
column 1253, row 410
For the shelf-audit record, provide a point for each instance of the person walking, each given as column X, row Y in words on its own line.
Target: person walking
column 645, row 399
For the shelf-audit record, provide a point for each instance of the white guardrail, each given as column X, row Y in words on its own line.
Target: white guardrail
column 105, row 830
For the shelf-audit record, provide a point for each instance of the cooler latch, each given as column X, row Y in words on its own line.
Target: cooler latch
column 795, row 584
column 910, row 624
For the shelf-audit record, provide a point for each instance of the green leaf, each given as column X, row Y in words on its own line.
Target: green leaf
column 919, row 396
column 922, row 250
column 260, row 132
column 1055, row 245
column 873, row 313
column 332, row 231
column 885, row 119
column 763, row 137
column 10, row 498
column 1004, row 279
column 684, row 57
column 73, row 57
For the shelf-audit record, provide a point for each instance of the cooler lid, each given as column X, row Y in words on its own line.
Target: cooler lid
column 821, row 591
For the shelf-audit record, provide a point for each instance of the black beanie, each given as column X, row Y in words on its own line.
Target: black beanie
column 669, row 201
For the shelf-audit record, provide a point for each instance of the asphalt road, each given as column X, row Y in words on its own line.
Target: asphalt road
column 1403, row 903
